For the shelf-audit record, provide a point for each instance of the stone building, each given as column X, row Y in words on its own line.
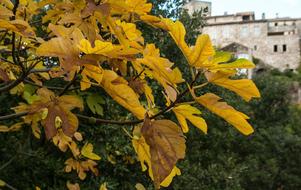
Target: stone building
column 195, row 5
column 276, row 42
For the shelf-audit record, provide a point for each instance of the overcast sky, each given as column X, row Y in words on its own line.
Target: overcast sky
column 285, row 8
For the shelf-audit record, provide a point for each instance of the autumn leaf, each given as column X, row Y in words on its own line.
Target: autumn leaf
column 187, row 112
column 100, row 48
column 139, row 186
column 64, row 142
column 167, row 146
column 237, row 64
column 87, row 151
column 160, row 69
column 21, row 27
column 71, row 186
column 3, row 75
column 103, row 186
column 143, row 151
column 197, row 55
column 118, row 89
column 2, row 183
column 14, row 127
column 201, row 52
column 57, row 107
column 222, row 109
column 243, row 87
column 81, row 167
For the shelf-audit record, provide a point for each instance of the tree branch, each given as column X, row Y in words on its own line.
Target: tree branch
column 5, row 60
column 12, row 116
column 104, row 121
column 49, row 87
column 71, row 82
column 19, row 80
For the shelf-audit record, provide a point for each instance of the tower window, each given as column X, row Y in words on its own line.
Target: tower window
column 275, row 48
column 284, row 47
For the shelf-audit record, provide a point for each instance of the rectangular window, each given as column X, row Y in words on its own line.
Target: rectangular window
column 257, row 31
column 275, row 48
column 284, row 47
column 244, row 31
column 245, row 17
column 255, row 47
column 276, row 23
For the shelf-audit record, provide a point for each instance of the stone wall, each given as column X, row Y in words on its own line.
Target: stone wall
column 261, row 37
column 196, row 5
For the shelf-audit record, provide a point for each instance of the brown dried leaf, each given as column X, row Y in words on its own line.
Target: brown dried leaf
column 167, row 146
column 3, row 75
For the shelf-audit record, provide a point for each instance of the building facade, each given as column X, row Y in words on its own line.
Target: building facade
column 276, row 42
column 195, row 5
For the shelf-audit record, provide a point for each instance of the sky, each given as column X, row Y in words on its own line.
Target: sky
column 284, row 8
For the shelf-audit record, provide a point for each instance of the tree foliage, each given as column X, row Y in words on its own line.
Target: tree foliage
column 63, row 59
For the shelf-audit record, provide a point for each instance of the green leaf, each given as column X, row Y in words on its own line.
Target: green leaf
column 94, row 102
column 29, row 90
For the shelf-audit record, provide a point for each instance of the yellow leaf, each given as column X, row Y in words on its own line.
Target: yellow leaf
column 243, row 87
column 197, row 55
column 71, row 186
column 103, row 186
column 177, row 32
column 2, row 183
column 142, row 150
column 167, row 181
column 149, row 95
column 38, row 188
column 5, row 13
column 81, row 167
column 160, row 69
column 130, row 30
column 187, row 112
column 237, row 64
column 201, row 52
column 100, row 47
column 78, row 136
column 222, row 109
column 19, row 26
column 119, row 90
column 141, row 7
column 8, row 4
column 139, row 186
column 87, row 151
column 14, row 127
column 93, row 72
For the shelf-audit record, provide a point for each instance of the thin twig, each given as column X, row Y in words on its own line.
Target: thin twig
column 7, row 163
column 12, row 116
column 71, row 82
column 10, row 187
column 139, row 74
column 18, row 81
column 49, row 87
column 5, row 60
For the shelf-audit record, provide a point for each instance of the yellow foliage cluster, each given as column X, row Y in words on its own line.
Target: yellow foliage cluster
column 97, row 43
